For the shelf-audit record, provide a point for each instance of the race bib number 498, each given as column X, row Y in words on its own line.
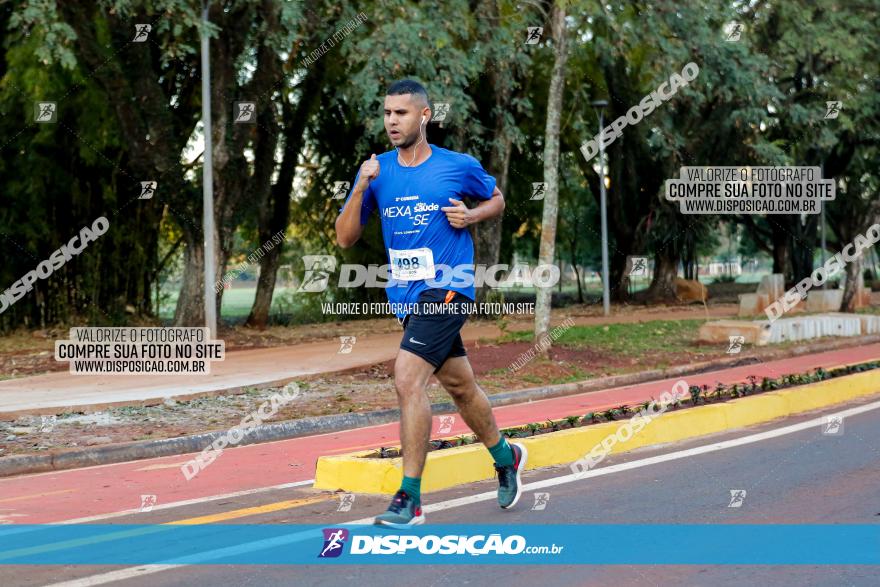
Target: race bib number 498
column 411, row 264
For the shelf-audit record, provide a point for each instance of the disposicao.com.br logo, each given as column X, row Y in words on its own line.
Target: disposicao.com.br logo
column 320, row 268
column 430, row 544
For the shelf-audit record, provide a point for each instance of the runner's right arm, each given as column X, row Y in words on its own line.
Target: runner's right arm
column 348, row 224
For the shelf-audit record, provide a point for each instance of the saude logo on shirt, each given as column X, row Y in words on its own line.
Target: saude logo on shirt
column 418, row 214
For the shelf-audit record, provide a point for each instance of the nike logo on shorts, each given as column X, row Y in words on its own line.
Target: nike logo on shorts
column 414, row 341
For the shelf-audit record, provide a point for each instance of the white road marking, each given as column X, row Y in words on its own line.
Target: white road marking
column 142, row 570
column 177, row 504
column 120, row 575
column 162, row 466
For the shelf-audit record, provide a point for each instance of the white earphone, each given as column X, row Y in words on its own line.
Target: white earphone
column 423, row 119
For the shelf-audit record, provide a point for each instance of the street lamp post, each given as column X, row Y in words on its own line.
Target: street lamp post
column 600, row 105
column 208, row 182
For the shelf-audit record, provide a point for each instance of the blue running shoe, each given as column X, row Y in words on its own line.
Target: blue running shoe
column 402, row 513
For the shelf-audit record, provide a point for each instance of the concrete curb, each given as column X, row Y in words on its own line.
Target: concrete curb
column 147, row 449
column 467, row 464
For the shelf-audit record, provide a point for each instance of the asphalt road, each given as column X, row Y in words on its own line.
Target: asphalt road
column 798, row 478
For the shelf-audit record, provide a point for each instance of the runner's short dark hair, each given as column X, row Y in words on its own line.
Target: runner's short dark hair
column 408, row 86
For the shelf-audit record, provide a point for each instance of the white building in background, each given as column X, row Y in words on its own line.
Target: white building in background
column 724, row 268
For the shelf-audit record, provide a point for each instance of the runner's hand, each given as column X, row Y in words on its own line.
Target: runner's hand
column 458, row 214
column 369, row 172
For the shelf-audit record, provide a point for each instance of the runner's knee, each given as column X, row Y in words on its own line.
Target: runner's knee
column 407, row 388
column 457, row 386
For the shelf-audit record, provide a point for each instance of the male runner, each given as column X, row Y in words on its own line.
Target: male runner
column 418, row 189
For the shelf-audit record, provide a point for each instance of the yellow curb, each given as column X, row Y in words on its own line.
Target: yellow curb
column 467, row 464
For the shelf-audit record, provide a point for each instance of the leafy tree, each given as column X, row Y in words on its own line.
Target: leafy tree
column 821, row 51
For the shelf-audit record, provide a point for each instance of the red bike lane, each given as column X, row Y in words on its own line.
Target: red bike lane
column 105, row 489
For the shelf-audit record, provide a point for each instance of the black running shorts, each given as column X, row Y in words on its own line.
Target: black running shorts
column 433, row 332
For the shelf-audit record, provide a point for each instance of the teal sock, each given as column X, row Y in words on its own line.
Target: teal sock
column 502, row 453
column 413, row 488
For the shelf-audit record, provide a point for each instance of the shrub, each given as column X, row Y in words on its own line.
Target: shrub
column 695, row 392
column 753, row 383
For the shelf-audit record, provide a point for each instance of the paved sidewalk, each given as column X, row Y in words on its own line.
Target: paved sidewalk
column 104, row 489
column 63, row 391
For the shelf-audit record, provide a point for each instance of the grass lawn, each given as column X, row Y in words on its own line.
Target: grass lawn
column 635, row 339
column 237, row 302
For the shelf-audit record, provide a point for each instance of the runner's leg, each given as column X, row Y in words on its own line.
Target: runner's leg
column 457, row 378
column 411, row 374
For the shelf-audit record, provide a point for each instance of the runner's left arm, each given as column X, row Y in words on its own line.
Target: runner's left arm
column 492, row 207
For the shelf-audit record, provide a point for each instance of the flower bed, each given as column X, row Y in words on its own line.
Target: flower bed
column 699, row 395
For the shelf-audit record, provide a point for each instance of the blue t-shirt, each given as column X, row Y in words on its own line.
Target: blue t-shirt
column 409, row 200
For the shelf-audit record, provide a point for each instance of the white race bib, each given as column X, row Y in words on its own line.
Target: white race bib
column 412, row 264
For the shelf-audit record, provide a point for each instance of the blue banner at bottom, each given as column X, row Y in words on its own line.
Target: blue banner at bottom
column 610, row 544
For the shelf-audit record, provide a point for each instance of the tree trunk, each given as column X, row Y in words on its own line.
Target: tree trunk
column 259, row 315
column 551, row 170
column 662, row 286
column 487, row 234
column 276, row 221
column 190, row 311
column 618, row 280
column 561, row 266
column 802, row 244
column 577, row 274
column 780, row 249
column 234, row 183
column 853, row 270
